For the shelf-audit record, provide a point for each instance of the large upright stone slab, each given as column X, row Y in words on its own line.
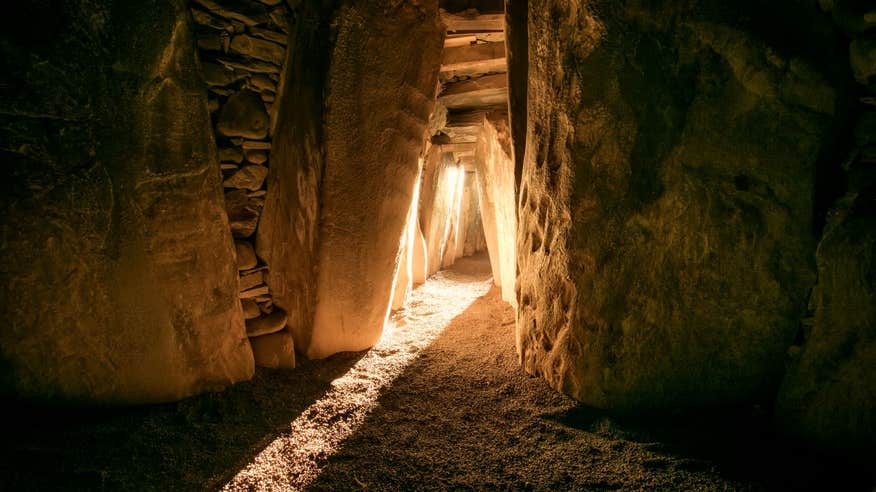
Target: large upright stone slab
column 665, row 238
column 287, row 236
column 119, row 282
column 498, row 205
column 382, row 87
column 438, row 188
column 828, row 395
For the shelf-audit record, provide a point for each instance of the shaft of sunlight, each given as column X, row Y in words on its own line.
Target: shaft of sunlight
column 293, row 460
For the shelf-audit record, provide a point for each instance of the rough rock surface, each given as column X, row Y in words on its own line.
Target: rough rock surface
column 287, row 235
column 862, row 55
column 475, row 241
column 439, row 179
column 828, row 395
column 242, row 45
column 243, row 213
column 247, row 177
column 664, row 243
column 113, row 224
column 271, row 323
column 498, row 208
column 246, row 258
column 829, row 392
column 244, row 115
column 276, row 351
column 411, row 240
column 419, row 268
column 381, row 91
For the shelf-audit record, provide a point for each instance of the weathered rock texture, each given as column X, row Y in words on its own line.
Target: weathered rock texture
column 499, row 211
column 475, row 241
column 440, row 173
column 828, row 395
column 245, row 62
column 287, row 236
column 664, row 243
column 411, row 252
column 419, row 266
column 118, row 271
column 454, row 214
column 381, row 93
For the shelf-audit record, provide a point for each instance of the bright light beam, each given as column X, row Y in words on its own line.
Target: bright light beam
column 294, row 459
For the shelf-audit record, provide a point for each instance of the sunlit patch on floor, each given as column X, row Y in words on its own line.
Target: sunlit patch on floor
column 293, row 460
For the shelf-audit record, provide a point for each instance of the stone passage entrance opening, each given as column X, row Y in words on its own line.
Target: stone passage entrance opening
column 464, row 199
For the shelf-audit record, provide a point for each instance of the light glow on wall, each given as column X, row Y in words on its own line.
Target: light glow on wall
column 293, row 460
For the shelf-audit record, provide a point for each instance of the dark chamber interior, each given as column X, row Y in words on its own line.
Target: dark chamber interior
column 423, row 244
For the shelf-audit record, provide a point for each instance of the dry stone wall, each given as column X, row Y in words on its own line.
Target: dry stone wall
column 242, row 46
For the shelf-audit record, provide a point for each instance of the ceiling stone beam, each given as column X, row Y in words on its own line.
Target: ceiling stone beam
column 473, row 60
column 483, row 92
column 473, row 21
column 473, row 53
column 455, row 40
column 457, row 147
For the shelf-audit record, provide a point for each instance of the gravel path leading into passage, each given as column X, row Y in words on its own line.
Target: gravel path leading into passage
column 440, row 404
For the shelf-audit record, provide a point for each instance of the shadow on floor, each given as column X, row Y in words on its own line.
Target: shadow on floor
column 195, row 444
column 462, row 415
column 465, row 416
column 741, row 443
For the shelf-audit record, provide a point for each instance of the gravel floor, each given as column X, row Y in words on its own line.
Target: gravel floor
column 430, row 408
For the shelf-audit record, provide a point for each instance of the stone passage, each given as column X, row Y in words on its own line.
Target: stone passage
column 242, row 46
column 467, row 201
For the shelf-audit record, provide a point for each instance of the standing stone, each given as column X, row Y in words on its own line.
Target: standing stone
column 439, row 179
column 665, row 206
column 243, row 115
column 827, row 395
column 378, row 110
column 498, row 206
column 287, row 233
column 419, row 267
column 112, row 216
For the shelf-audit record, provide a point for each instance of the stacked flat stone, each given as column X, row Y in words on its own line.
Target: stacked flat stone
column 242, row 46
